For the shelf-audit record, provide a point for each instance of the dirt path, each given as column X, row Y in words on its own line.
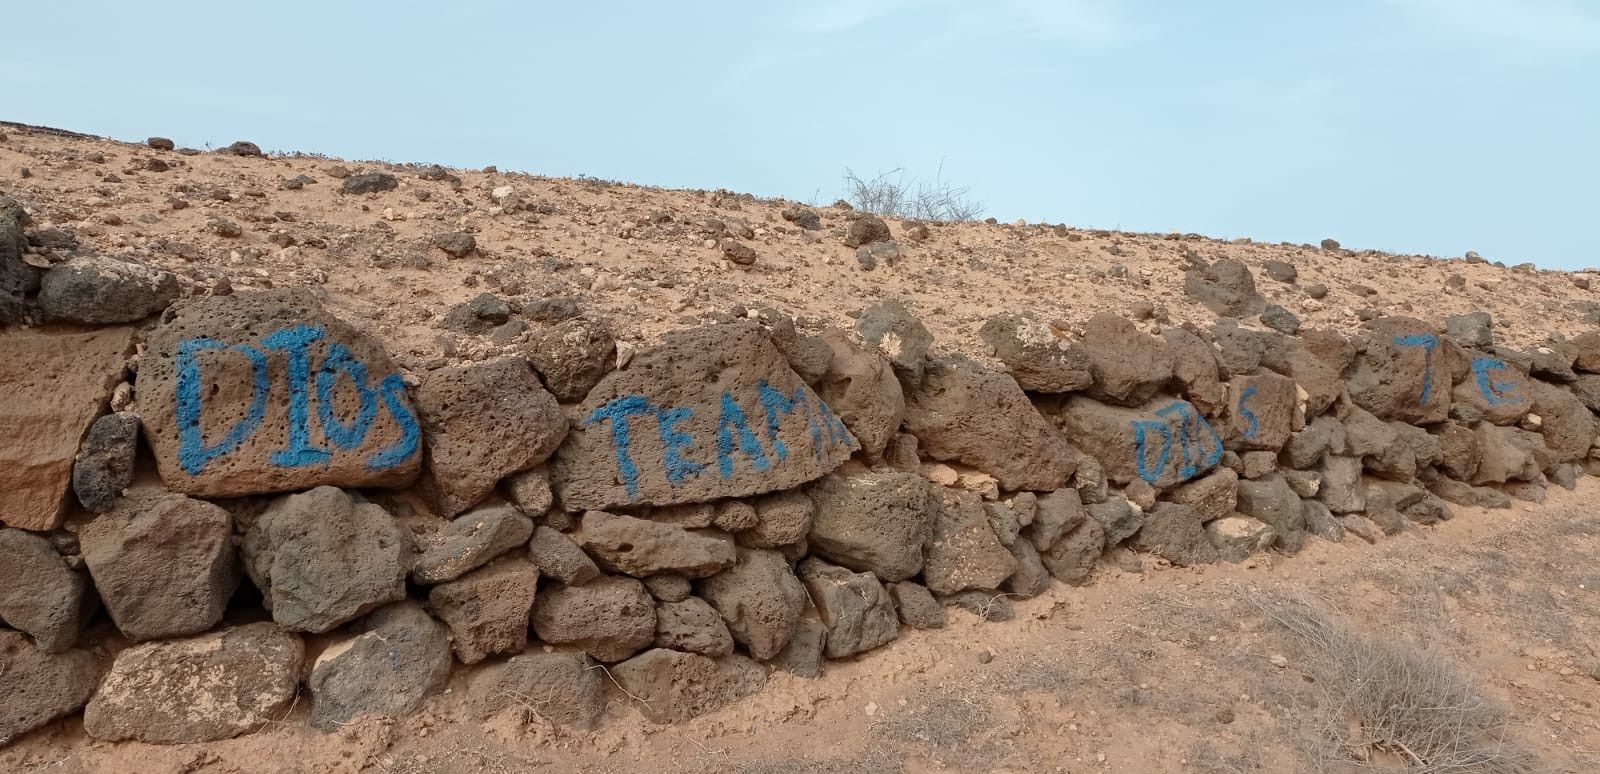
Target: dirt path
column 1168, row 670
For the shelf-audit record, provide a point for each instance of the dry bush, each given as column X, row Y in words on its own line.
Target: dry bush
column 1386, row 699
column 891, row 194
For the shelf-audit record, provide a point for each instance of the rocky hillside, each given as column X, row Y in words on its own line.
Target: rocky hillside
column 595, row 472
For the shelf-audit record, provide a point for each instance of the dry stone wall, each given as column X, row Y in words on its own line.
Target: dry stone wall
column 187, row 497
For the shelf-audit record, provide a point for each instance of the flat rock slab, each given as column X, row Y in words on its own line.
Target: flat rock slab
column 565, row 686
column 55, row 384
column 711, row 412
column 202, row 689
column 267, row 392
column 963, row 412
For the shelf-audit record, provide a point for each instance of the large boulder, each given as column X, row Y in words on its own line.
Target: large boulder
column 1499, row 391
column 641, row 547
column 572, row 356
column 1508, row 455
column 104, row 466
column 488, row 609
column 559, row 558
column 322, row 558
column 1401, row 374
column 55, row 384
column 163, row 563
column 268, row 392
column 471, row 540
column 890, row 328
column 1225, row 287
column 963, row 551
column 202, row 689
column 1565, row 423
column 1055, row 514
column 670, row 686
column 610, row 618
column 1320, row 380
column 1194, row 367
column 483, row 422
column 692, row 625
column 1213, row 496
column 782, row 518
column 1072, row 559
column 396, row 658
column 1129, row 365
column 40, row 686
column 1163, row 443
column 39, row 593
column 856, row 608
column 711, row 412
column 1271, row 501
column 1037, row 355
column 564, row 686
column 1176, row 533
column 966, row 413
column 873, row 522
column 1260, row 412
column 861, row 387
column 761, row 600
column 98, row 290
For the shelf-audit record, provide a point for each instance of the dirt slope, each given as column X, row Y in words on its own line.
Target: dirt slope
column 639, row 256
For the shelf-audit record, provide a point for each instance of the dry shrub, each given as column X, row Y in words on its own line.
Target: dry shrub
column 1383, row 699
column 891, row 194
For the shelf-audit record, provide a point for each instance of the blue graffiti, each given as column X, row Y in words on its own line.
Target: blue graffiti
column 1495, row 393
column 734, row 435
column 674, row 443
column 1198, row 444
column 193, row 453
column 1429, row 343
column 1252, row 427
column 295, row 343
column 617, row 411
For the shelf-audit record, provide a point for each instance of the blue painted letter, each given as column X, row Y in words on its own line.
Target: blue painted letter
column 1428, row 342
column 1252, row 427
column 393, row 391
column 732, row 422
column 1495, row 393
column 343, row 436
column 618, row 410
column 673, row 444
column 193, row 453
column 294, row 341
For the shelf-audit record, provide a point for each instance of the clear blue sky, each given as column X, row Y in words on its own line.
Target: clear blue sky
column 1434, row 126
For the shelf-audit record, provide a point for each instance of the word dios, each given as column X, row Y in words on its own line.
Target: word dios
column 308, row 390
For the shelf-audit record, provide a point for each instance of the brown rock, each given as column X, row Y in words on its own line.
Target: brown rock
column 966, row 413
column 487, row 609
column 483, row 422
column 39, row 594
column 963, row 552
column 267, row 392
column 55, row 384
column 202, row 689
column 1129, row 366
column 611, row 617
column 761, row 600
column 1164, row 443
column 711, row 412
column 669, row 686
column 38, row 686
column 640, row 547
column 164, row 564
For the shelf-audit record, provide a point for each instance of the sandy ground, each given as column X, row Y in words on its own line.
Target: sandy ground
column 1157, row 671
column 1164, row 670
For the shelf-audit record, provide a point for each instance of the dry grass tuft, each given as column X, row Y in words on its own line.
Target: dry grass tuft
column 1386, row 703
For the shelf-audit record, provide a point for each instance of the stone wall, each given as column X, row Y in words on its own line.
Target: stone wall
column 191, row 489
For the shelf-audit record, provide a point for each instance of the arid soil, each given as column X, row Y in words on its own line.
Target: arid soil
column 1150, row 669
